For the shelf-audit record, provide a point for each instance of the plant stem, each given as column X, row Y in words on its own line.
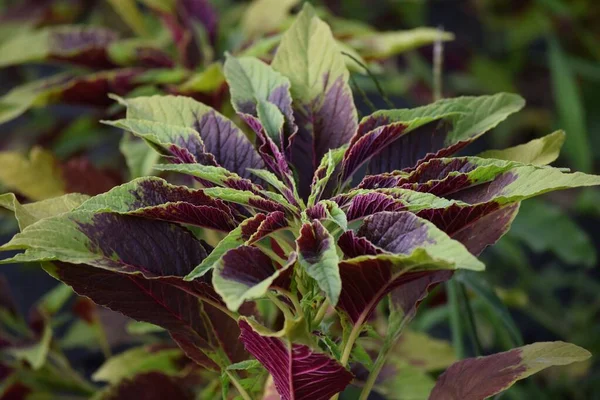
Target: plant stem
column 321, row 313
column 438, row 63
column 238, row 386
column 373, row 78
column 455, row 323
column 471, row 320
column 64, row 367
column 350, row 343
column 294, row 299
column 377, row 366
column 362, row 94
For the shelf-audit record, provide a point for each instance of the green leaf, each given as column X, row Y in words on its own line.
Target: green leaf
column 28, row 214
column 62, row 42
column 317, row 255
column 129, row 12
column 324, row 173
column 570, row 108
column 233, row 239
column 37, row 176
column 140, row 157
column 407, row 383
column 544, row 227
column 274, row 181
column 542, row 151
column 382, row 45
column 36, row 353
column 252, row 83
column 244, row 365
column 422, row 351
column 300, row 57
column 217, row 175
column 483, row 290
column 143, row 328
column 266, row 16
column 208, row 80
column 474, row 115
column 137, row 361
column 243, row 281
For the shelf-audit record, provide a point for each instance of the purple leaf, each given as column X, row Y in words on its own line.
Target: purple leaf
column 68, row 88
column 475, row 226
column 273, row 157
column 298, row 372
column 273, row 222
column 364, row 284
column 191, row 132
column 246, row 273
column 258, row 92
column 482, row 377
column 363, row 205
column 159, row 301
column 364, row 147
column 356, row 246
column 323, row 106
column 193, row 11
column 406, row 298
column 462, row 120
column 419, row 145
column 318, row 257
column 247, row 265
column 131, row 244
column 153, row 198
column 322, row 126
column 150, row 386
column 418, row 246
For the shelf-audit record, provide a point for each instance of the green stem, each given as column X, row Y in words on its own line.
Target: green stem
column 362, row 94
column 393, row 333
column 377, row 366
column 65, row 368
column 321, row 313
column 297, row 305
column 373, row 78
column 350, row 343
column 471, row 321
column 455, row 323
column 238, row 386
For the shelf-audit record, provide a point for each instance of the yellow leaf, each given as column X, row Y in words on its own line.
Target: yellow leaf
column 37, row 177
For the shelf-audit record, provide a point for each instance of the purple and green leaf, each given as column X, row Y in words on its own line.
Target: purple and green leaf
column 407, row 248
column 74, row 44
column 154, row 198
column 247, row 273
column 298, row 371
column 323, row 106
column 190, row 132
column 68, row 88
column 317, row 255
column 466, row 118
column 482, row 377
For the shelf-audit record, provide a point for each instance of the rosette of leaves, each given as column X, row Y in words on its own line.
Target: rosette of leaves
column 282, row 250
